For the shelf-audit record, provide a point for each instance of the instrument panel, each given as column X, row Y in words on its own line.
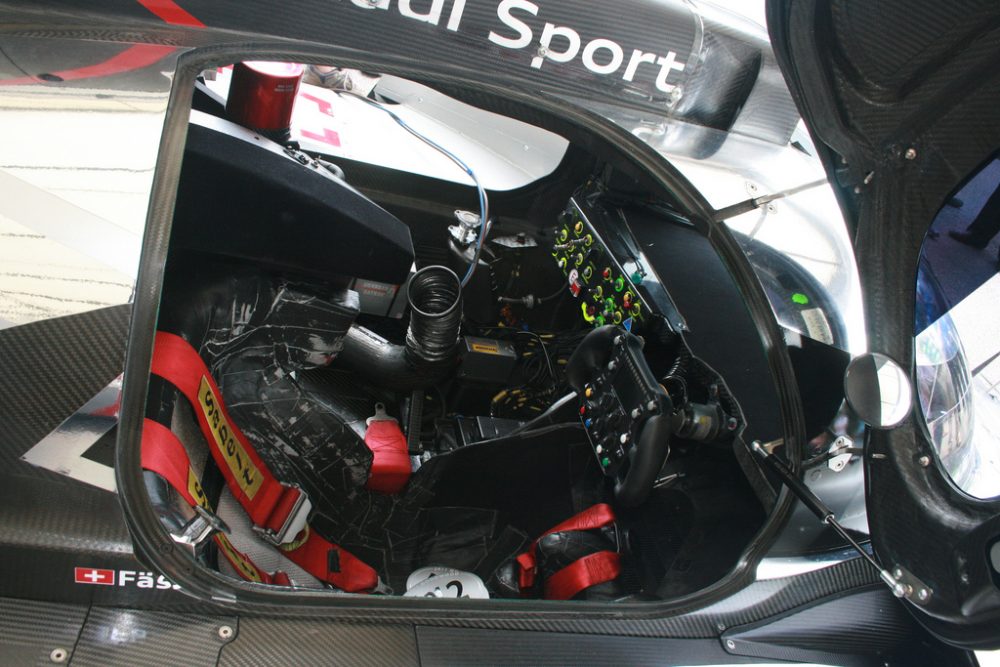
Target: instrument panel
column 607, row 294
column 606, row 270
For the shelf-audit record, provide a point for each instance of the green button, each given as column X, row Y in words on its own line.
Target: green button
column 605, row 462
column 599, row 320
column 619, row 284
column 800, row 298
column 636, row 278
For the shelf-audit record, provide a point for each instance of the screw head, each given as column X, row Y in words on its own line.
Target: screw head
column 58, row 655
column 897, row 573
column 923, row 594
column 911, row 153
column 924, row 461
column 730, row 644
column 225, row 632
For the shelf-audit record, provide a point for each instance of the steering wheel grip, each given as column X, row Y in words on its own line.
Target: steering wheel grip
column 645, row 460
column 590, row 355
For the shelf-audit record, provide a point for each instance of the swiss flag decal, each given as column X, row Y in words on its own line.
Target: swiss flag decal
column 90, row 575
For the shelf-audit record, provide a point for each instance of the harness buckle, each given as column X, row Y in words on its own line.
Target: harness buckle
column 202, row 526
column 294, row 522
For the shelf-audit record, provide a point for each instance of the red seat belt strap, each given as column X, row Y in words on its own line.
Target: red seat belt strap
column 592, row 569
column 277, row 511
column 595, row 516
column 164, row 454
column 268, row 502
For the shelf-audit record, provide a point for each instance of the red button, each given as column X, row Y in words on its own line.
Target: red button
column 583, row 410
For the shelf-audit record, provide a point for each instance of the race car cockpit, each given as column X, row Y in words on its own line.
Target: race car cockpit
column 379, row 380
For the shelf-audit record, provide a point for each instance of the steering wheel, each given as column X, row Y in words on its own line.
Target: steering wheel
column 626, row 413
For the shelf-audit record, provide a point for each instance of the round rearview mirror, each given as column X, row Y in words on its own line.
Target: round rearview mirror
column 878, row 390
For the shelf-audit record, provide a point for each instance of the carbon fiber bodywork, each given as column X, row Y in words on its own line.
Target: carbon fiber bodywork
column 905, row 118
column 32, row 632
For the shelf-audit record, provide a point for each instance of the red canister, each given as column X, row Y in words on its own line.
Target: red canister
column 390, row 459
column 262, row 95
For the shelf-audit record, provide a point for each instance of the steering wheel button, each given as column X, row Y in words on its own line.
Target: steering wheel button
column 583, row 410
column 623, row 438
column 612, row 365
column 605, row 462
column 636, row 413
column 598, row 449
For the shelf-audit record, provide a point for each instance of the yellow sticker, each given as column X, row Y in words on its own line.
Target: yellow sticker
column 485, row 347
column 238, row 560
column 240, row 465
column 194, row 488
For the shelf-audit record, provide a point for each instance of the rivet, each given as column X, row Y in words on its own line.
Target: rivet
column 924, row 461
column 225, row 632
column 911, row 153
column 58, row 655
column 730, row 644
column 922, row 594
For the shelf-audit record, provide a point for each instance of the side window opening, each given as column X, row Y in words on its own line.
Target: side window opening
column 957, row 349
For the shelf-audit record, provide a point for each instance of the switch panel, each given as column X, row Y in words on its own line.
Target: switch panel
column 606, row 294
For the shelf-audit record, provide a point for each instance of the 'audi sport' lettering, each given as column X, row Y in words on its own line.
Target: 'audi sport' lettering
column 244, row 471
column 553, row 43
column 561, row 44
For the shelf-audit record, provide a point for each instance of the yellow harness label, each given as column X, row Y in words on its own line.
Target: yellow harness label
column 244, row 471
column 238, row 560
column 486, row 348
column 194, row 488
